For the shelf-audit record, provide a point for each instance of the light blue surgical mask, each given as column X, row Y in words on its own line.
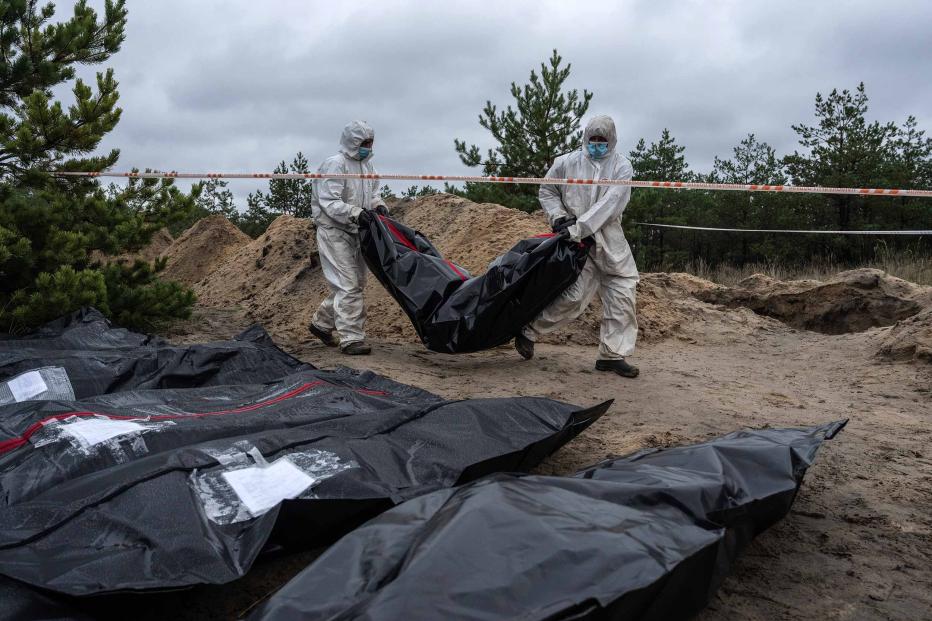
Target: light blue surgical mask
column 364, row 152
column 597, row 150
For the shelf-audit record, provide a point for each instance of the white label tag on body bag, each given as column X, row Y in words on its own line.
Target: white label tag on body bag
column 261, row 488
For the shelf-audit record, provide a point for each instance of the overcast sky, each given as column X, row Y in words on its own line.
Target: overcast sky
column 241, row 85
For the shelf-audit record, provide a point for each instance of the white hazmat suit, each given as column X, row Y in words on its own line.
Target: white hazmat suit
column 335, row 206
column 610, row 269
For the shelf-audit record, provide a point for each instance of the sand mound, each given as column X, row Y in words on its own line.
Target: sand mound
column 668, row 306
column 852, row 301
column 277, row 279
column 910, row 339
column 474, row 234
column 470, row 234
column 202, row 249
column 160, row 242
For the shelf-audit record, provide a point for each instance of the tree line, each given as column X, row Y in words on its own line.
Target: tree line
column 56, row 233
column 60, row 238
column 841, row 149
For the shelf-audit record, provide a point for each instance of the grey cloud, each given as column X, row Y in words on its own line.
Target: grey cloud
column 242, row 85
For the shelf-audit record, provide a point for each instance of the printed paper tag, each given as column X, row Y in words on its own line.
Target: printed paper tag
column 93, row 431
column 27, row 386
column 260, row 489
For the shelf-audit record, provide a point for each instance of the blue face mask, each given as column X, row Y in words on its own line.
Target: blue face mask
column 364, row 152
column 597, row 150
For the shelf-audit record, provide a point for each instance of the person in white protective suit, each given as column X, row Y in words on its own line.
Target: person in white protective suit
column 335, row 207
column 593, row 211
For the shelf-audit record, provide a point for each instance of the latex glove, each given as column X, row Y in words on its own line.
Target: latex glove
column 378, row 206
column 354, row 214
column 562, row 223
column 574, row 232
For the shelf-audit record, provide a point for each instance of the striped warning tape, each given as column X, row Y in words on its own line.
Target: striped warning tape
column 672, row 185
column 707, row 228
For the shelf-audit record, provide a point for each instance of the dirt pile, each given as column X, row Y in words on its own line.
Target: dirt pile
column 669, row 306
column 202, row 249
column 160, row 242
column 276, row 279
column 909, row 339
column 474, row 234
column 470, row 234
column 852, row 301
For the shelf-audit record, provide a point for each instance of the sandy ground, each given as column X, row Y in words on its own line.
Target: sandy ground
column 858, row 542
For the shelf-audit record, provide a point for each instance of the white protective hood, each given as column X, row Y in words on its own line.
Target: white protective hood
column 354, row 134
column 604, row 126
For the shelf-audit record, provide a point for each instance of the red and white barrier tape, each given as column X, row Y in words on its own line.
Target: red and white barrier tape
column 706, row 228
column 672, row 185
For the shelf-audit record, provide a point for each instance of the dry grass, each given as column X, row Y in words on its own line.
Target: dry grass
column 903, row 264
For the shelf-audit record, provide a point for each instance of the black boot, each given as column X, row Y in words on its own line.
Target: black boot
column 618, row 366
column 326, row 336
column 524, row 346
column 356, row 348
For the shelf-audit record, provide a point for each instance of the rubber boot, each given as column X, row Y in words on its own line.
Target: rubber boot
column 619, row 366
column 524, row 346
column 356, row 348
column 326, row 336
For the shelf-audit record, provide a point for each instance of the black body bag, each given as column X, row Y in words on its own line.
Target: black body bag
column 454, row 312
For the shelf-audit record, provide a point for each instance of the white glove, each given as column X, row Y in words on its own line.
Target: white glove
column 354, row 214
column 574, row 232
column 377, row 202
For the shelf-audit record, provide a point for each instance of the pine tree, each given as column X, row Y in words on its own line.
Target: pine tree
column 912, row 161
column 210, row 197
column 287, row 196
column 214, row 197
column 663, row 160
column 257, row 217
column 844, row 150
column 543, row 124
column 50, row 229
column 416, row 192
column 36, row 132
column 752, row 162
column 911, row 167
column 160, row 204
